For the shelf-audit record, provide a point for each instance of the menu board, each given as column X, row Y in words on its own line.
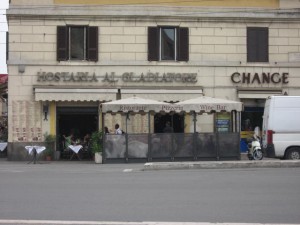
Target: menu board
column 223, row 122
column 26, row 121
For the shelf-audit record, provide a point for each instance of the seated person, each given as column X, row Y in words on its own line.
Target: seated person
column 106, row 131
column 86, row 139
column 118, row 129
column 86, row 142
column 69, row 140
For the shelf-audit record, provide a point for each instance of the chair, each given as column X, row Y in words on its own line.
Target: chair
column 86, row 152
column 66, row 152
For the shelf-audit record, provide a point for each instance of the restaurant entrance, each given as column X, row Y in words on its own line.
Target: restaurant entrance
column 79, row 120
column 176, row 121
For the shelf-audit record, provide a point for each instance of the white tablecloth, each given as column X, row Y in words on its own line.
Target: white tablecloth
column 3, row 146
column 38, row 149
column 75, row 148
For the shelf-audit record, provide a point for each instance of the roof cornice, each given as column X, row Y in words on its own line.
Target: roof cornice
column 146, row 12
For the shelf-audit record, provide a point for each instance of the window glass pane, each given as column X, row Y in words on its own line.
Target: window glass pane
column 168, row 44
column 77, row 43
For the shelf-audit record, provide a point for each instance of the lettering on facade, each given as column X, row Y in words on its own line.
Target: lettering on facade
column 263, row 78
column 129, row 77
column 66, row 77
column 157, row 77
column 110, row 78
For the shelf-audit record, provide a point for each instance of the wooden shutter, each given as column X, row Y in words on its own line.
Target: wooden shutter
column 183, row 44
column 62, row 43
column 153, row 43
column 251, row 45
column 92, row 44
column 257, row 44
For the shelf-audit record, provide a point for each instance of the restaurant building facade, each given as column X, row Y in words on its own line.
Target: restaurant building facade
column 67, row 57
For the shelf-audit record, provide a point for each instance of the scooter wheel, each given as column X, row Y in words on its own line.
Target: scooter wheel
column 258, row 155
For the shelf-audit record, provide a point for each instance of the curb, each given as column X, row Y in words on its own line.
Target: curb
column 222, row 165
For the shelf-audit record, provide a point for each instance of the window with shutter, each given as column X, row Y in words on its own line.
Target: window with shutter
column 92, row 44
column 168, row 44
column 77, row 43
column 257, row 44
column 183, row 44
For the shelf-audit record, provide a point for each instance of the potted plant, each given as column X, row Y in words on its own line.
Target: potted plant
column 96, row 145
column 50, row 145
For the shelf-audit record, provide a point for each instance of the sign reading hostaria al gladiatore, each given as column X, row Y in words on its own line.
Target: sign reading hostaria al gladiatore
column 112, row 77
column 215, row 3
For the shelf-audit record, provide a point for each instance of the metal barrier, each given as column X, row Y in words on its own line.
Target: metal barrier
column 171, row 147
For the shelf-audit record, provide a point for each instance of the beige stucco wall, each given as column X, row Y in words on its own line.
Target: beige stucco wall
column 217, row 50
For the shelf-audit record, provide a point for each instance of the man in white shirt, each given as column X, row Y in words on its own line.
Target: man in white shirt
column 118, row 130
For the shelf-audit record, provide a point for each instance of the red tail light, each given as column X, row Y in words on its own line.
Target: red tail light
column 269, row 136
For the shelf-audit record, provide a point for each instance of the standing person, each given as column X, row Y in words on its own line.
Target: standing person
column 257, row 132
column 168, row 128
column 117, row 129
column 167, row 138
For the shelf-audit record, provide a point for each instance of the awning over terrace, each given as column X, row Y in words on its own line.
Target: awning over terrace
column 201, row 104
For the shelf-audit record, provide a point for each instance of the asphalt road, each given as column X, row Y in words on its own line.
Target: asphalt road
column 81, row 191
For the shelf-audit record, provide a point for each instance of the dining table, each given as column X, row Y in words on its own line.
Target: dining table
column 3, row 146
column 34, row 150
column 76, row 149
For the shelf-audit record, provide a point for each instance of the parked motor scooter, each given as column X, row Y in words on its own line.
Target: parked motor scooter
column 254, row 149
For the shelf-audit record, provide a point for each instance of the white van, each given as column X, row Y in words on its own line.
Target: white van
column 281, row 127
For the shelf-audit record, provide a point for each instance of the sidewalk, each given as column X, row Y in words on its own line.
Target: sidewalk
column 243, row 163
column 265, row 163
